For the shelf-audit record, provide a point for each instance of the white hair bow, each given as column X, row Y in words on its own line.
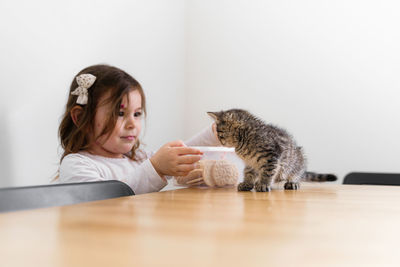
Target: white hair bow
column 84, row 81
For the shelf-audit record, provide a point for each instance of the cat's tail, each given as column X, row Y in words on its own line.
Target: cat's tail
column 318, row 177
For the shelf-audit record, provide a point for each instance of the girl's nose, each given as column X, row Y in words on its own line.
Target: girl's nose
column 130, row 122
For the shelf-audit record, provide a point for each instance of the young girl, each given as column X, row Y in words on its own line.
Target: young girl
column 100, row 129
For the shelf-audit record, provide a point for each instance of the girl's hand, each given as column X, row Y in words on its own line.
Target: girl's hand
column 175, row 159
column 214, row 129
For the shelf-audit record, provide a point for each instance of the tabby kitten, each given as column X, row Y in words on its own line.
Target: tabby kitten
column 270, row 153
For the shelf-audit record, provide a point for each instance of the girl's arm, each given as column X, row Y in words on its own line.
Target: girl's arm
column 141, row 177
column 75, row 168
column 145, row 179
column 207, row 137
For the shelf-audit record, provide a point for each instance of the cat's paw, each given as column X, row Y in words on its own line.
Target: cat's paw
column 245, row 186
column 262, row 187
column 292, row 186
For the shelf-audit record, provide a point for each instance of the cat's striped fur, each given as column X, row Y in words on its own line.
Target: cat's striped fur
column 270, row 153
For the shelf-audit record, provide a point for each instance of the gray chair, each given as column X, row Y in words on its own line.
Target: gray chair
column 372, row 178
column 33, row 197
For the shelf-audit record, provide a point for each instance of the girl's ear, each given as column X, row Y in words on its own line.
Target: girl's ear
column 76, row 113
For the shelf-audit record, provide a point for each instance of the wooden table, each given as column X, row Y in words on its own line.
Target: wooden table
column 319, row 225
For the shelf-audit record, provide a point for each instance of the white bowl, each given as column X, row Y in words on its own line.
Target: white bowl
column 223, row 153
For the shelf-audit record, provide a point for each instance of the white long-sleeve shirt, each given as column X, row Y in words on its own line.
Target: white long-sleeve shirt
column 140, row 175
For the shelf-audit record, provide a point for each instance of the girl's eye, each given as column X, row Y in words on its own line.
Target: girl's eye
column 136, row 114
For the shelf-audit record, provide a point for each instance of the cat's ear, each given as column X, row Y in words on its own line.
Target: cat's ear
column 213, row 115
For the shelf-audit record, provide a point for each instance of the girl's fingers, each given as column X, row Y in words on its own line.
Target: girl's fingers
column 186, row 168
column 188, row 159
column 188, row 150
column 179, row 173
column 195, row 174
column 177, row 143
column 196, row 184
column 195, row 180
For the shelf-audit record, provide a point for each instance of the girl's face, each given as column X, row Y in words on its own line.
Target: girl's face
column 125, row 132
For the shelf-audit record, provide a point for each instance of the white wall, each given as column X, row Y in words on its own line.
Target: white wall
column 45, row 43
column 327, row 71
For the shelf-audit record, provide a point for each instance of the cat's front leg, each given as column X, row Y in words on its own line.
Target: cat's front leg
column 292, row 185
column 266, row 178
column 250, row 176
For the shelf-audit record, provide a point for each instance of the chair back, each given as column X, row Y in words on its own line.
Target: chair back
column 32, row 197
column 372, row 178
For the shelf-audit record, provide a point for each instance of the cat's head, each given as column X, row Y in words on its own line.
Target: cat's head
column 228, row 123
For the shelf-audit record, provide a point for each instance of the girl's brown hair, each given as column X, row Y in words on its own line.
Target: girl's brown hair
column 111, row 82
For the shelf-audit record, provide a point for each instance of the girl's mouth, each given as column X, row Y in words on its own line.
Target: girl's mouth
column 128, row 137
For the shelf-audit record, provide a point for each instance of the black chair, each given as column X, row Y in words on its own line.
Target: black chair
column 372, row 178
column 32, row 197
